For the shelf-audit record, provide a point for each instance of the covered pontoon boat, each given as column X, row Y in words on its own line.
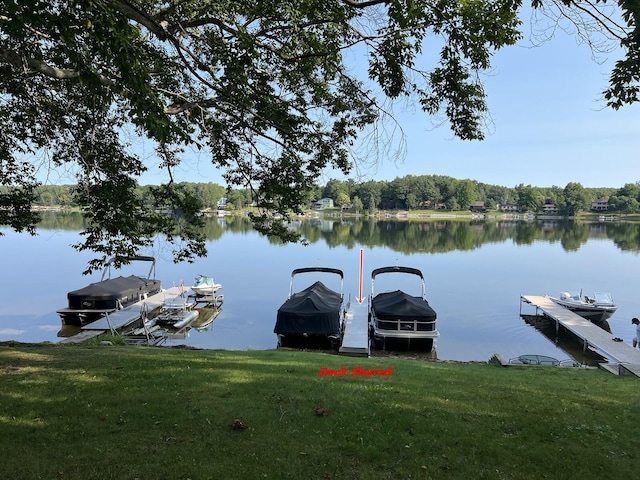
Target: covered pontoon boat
column 313, row 316
column 399, row 315
column 90, row 303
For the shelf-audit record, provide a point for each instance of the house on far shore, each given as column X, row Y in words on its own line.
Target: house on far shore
column 599, row 205
column 508, row 207
column 322, row 204
column 478, row 207
column 550, row 208
column 429, row 205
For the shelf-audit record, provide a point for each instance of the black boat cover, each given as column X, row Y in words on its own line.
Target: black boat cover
column 312, row 311
column 107, row 293
column 398, row 305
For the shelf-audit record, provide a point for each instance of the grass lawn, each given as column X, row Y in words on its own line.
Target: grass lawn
column 90, row 412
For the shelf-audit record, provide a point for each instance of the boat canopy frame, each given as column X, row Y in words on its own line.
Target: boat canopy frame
column 398, row 269
column 298, row 271
column 140, row 258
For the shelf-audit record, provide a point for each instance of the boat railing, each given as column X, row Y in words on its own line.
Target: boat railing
column 402, row 325
column 175, row 303
column 398, row 269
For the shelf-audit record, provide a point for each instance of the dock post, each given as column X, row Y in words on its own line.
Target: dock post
column 113, row 332
column 521, row 305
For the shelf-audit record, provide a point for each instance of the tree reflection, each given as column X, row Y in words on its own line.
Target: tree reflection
column 423, row 236
column 440, row 236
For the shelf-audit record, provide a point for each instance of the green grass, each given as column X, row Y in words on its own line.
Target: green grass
column 95, row 412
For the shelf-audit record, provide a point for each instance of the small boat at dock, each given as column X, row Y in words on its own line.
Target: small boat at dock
column 205, row 286
column 596, row 308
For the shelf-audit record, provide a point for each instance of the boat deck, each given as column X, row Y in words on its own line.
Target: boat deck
column 121, row 318
column 355, row 340
column 627, row 357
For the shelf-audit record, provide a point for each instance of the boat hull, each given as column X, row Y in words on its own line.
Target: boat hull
column 206, row 290
column 595, row 314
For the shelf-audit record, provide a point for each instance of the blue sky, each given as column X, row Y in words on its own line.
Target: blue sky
column 550, row 126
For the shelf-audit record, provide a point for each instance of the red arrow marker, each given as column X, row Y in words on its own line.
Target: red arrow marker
column 360, row 299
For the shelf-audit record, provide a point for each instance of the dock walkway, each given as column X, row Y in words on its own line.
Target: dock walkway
column 355, row 341
column 627, row 357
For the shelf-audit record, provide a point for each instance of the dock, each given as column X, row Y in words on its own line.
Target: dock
column 626, row 357
column 116, row 320
column 355, row 341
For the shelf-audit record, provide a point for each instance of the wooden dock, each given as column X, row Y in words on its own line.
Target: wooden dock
column 355, row 341
column 626, row 357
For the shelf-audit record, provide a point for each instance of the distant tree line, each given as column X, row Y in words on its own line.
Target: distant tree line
column 425, row 192
column 209, row 194
column 443, row 192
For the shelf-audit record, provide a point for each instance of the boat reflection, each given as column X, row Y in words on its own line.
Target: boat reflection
column 201, row 323
column 67, row 331
column 205, row 320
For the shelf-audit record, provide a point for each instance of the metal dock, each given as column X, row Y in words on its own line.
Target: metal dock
column 355, row 340
column 115, row 320
column 627, row 357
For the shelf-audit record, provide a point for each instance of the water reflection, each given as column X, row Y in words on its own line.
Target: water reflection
column 202, row 323
column 565, row 340
column 417, row 236
column 440, row 236
column 475, row 273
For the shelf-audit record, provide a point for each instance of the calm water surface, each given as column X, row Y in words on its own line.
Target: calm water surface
column 475, row 274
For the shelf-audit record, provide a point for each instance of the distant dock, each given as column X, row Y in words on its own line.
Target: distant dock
column 627, row 357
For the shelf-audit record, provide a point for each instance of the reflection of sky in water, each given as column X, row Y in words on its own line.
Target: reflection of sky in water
column 475, row 293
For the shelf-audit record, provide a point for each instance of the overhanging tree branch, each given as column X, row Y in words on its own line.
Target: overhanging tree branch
column 263, row 86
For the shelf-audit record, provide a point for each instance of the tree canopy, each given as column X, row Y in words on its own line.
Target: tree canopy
column 263, row 87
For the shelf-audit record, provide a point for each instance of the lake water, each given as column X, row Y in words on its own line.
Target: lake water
column 475, row 273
